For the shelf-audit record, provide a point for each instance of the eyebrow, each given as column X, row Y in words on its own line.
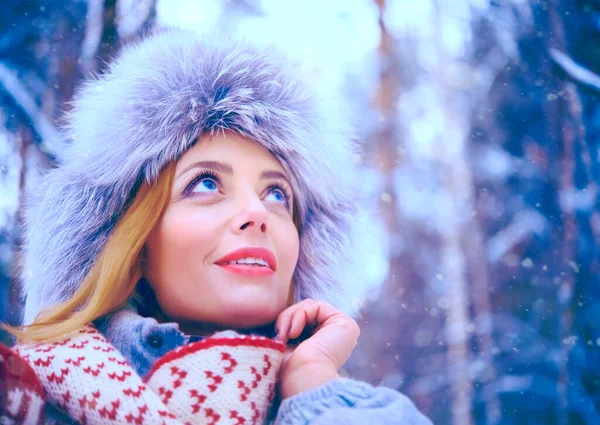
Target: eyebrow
column 222, row 167
column 226, row 168
column 273, row 175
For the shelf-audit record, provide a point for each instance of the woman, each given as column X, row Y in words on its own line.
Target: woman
column 207, row 188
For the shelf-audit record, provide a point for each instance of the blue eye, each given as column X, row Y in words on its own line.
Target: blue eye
column 207, row 183
column 203, row 182
column 278, row 193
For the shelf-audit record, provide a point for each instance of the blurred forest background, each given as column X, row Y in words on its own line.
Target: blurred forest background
column 479, row 120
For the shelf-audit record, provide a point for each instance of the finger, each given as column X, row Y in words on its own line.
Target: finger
column 308, row 313
column 283, row 322
column 318, row 312
column 298, row 322
column 281, row 327
column 292, row 321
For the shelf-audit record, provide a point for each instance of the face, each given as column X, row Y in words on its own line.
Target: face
column 231, row 202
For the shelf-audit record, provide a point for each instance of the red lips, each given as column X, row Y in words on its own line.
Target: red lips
column 250, row 252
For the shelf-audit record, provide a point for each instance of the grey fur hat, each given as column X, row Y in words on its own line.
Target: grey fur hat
column 157, row 97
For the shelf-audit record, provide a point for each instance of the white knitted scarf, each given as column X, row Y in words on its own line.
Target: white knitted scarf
column 217, row 381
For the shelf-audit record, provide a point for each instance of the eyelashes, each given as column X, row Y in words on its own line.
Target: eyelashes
column 284, row 190
column 198, row 177
column 209, row 174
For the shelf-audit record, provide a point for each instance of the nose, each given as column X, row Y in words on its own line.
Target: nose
column 252, row 215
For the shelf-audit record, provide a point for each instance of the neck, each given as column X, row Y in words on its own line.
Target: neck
column 208, row 329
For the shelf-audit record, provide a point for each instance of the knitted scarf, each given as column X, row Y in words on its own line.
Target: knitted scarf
column 217, row 381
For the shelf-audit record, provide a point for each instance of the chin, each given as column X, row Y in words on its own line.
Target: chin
column 244, row 316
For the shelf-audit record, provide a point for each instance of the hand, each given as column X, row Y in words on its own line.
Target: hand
column 318, row 359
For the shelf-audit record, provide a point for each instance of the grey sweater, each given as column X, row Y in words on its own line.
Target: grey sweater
column 142, row 341
column 346, row 401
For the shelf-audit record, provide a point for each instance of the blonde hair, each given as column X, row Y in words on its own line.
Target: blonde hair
column 113, row 277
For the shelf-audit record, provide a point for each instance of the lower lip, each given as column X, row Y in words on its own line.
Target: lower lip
column 247, row 270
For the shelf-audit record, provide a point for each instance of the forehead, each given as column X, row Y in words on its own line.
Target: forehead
column 231, row 148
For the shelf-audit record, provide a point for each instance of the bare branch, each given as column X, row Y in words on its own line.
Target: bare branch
column 524, row 224
column 93, row 34
column 49, row 135
column 576, row 71
column 131, row 15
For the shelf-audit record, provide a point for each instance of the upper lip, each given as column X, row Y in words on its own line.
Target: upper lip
column 251, row 252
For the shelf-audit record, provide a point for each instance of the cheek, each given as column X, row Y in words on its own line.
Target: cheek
column 288, row 249
column 178, row 244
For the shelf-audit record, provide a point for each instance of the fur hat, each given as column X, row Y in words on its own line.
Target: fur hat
column 148, row 109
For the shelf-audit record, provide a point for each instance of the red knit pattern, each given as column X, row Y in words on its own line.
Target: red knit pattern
column 86, row 377
column 191, row 348
column 22, row 396
column 219, row 380
column 215, row 381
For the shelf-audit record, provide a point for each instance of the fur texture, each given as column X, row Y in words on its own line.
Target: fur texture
column 154, row 101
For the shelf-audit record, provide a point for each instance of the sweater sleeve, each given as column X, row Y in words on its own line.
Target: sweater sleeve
column 348, row 402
